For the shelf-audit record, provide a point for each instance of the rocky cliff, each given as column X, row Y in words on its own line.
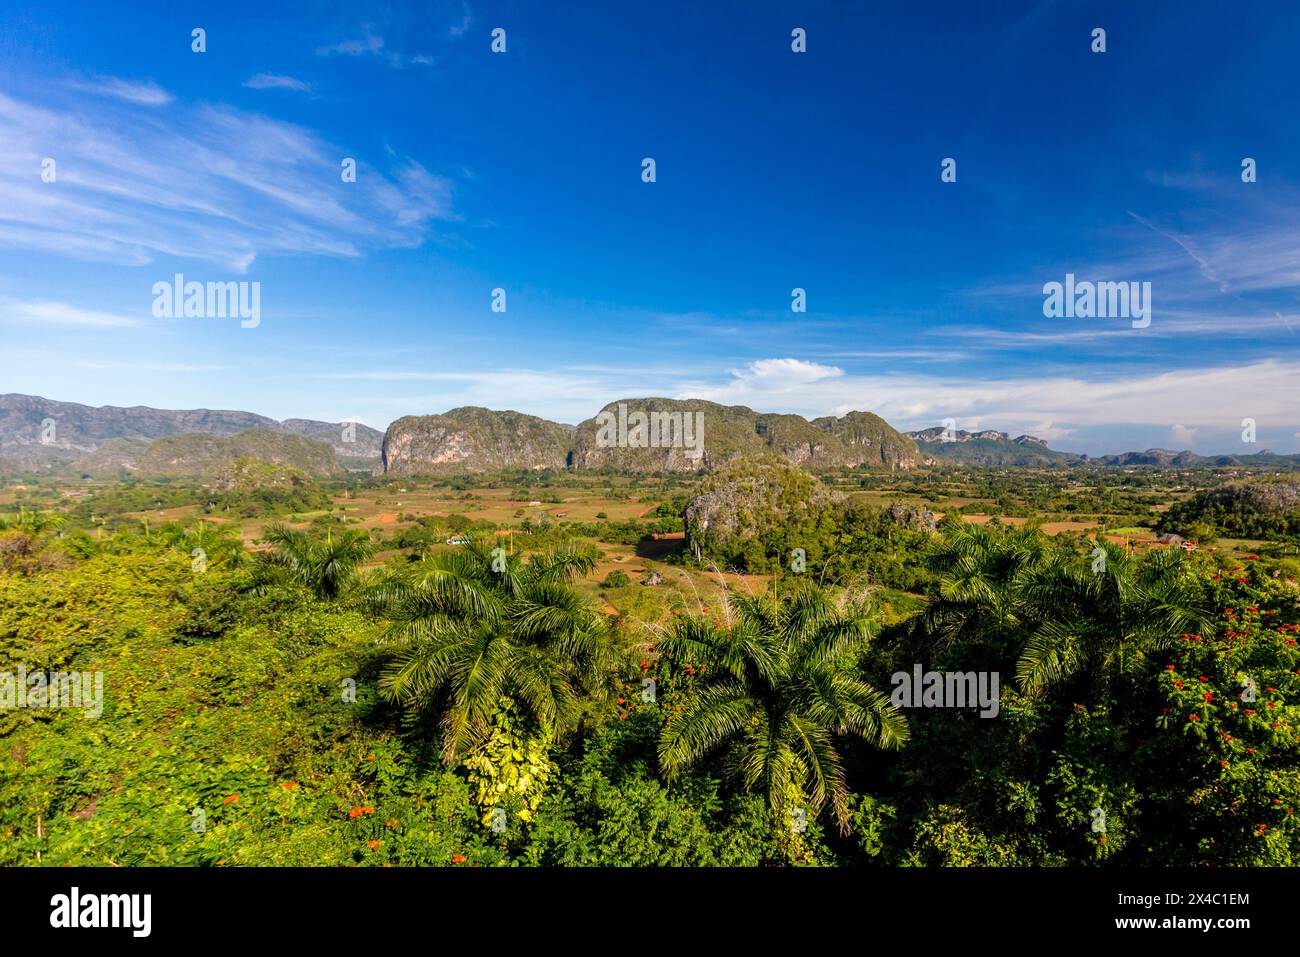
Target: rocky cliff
column 472, row 439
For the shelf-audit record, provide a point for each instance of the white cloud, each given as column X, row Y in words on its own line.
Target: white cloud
column 1182, row 435
column 370, row 43
column 61, row 314
column 1211, row 398
column 459, row 27
column 211, row 183
column 274, row 81
column 142, row 92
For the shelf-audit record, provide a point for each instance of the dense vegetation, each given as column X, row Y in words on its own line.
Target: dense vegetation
column 1253, row 509
column 474, row 705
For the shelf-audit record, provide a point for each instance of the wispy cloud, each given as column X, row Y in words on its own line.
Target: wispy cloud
column 460, row 27
column 273, row 81
column 372, row 44
column 61, row 314
column 142, row 92
column 211, row 183
column 367, row 44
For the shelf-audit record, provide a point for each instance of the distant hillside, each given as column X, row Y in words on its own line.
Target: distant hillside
column 1264, row 508
column 206, row 456
column 872, row 439
column 1163, row 458
column 246, row 475
column 351, row 440
column 747, row 499
column 990, row 448
column 36, row 432
column 472, row 439
column 730, row 432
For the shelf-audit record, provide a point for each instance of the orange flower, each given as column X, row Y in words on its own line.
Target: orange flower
column 458, row 858
column 392, row 823
column 370, row 757
column 374, row 844
column 231, row 800
column 289, row 785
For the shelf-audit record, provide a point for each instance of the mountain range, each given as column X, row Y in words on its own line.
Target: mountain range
column 644, row 435
column 38, row 433
column 998, row 449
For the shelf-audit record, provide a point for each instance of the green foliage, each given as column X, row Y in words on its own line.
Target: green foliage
column 1267, row 509
column 1149, row 709
column 616, row 579
column 510, row 769
column 472, row 626
column 780, row 685
column 325, row 566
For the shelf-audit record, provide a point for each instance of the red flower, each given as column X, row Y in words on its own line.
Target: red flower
column 1195, row 717
column 458, row 858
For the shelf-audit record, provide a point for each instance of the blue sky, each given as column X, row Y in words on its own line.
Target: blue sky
column 775, row 170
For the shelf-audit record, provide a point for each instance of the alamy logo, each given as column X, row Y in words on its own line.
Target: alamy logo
column 62, row 689
column 103, row 910
column 1101, row 300
column 652, row 430
column 179, row 299
column 951, row 689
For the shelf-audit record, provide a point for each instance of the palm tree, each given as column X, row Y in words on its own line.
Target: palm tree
column 325, row 566
column 1103, row 618
column 32, row 523
column 217, row 542
column 476, row 631
column 780, row 685
column 982, row 574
